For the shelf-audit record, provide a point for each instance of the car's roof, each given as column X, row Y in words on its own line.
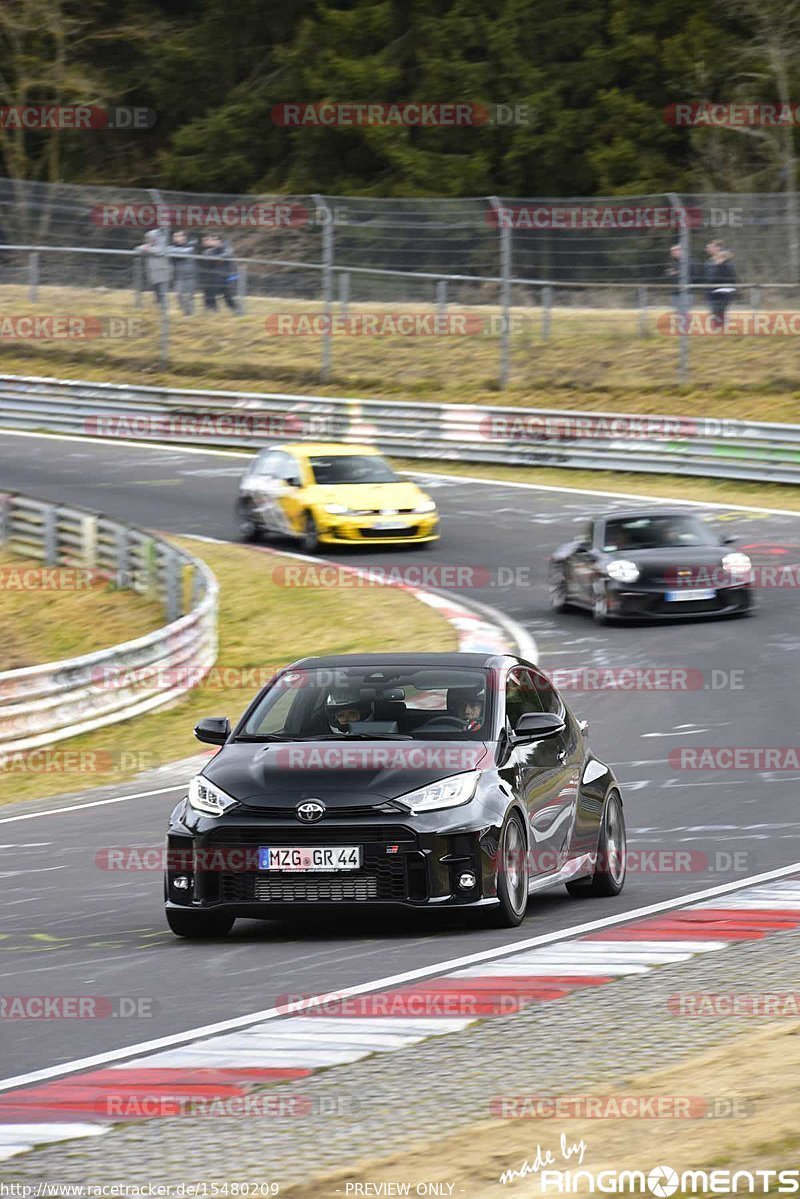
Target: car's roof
column 489, row 661
column 641, row 513
column 304, row 449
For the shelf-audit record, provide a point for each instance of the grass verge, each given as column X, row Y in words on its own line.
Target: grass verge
column 760, row 1070
column 593, row 360
column 44, row 622
column 676, row 487
column 262, row 625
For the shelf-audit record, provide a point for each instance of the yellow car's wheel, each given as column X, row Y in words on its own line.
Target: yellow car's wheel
column 310, row 540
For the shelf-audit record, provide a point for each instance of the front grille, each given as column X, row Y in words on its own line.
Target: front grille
column 410, row 531
column 325, row 833
column 384, row 880
column 316, row 890
column 353, row 812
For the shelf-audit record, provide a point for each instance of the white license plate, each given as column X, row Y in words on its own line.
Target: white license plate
column 316, row 857
column 390, row 524
column 692, row 594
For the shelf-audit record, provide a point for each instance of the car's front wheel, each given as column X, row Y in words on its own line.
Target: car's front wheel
column 246, row 522
column 558, row 591
column 600, row 605
column 199, row 924
column 611, row 866
column 310, row 537
column 512, row 875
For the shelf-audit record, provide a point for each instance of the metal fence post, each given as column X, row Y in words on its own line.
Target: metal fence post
column 505, row 293
column 163, row 226
column 89, row 540
column 5, row 517
column 33, row 277
column 641, row 301
column 241, row 286
column 50, row 539
column 138, row 280
column 547, row 311
column 344, row 293
column 124, row 573
column 172, row 587
column 441, row 300
column 327, row 284
column 685, row 290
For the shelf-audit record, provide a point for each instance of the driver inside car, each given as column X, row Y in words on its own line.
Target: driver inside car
column 342, row 711
column 468, row 706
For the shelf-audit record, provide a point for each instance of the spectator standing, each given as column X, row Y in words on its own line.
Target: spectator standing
column 721, row 279
column 156, row 264
column 183, row 251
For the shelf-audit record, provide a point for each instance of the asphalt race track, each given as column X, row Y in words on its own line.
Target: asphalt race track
column 68, row 928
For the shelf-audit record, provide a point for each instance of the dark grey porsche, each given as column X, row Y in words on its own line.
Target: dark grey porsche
column 653, row 564
column 424, row 781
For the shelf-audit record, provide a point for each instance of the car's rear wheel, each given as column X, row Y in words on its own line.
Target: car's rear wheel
column 512, row 875
column 199, row 924
column 558, row 591
column 246, row 522
column 310, row 538
column 610, row 869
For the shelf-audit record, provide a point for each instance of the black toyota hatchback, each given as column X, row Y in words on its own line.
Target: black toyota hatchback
column 408, row 780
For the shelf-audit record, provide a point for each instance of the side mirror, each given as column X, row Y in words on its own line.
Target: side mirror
column 535, row 726
column 213, row 730
column 294, row 481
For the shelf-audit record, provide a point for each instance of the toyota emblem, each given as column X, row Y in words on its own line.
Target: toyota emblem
column 310, row 810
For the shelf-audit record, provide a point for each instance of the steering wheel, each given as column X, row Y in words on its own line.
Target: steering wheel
column 449, row 722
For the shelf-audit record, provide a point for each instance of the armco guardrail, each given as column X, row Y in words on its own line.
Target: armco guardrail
column 55, row 700
column 509, row 436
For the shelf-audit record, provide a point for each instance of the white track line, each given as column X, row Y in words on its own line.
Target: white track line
column 95, row 803
column 501, row 951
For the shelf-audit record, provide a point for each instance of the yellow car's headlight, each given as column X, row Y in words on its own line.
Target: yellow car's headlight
column 425, row 506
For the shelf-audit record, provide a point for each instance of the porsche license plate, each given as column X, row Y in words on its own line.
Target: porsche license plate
column 316, row 857
column 692, row 593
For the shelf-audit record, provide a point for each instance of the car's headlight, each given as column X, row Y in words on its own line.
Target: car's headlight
column 447, row 793
column 206, row 798
column 425, row 506
column 623, row 571
column 336, row 509
column 737, row 564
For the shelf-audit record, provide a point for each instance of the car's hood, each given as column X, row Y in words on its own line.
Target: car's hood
column 376, row 496
column 352, row 773
column 687, row 555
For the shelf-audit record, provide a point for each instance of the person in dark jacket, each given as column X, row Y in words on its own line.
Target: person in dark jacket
column 721, row 280
column 182, row 252
column 219, row 272
column 157, row 264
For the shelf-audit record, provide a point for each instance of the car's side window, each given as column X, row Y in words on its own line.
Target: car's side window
column 521, row 695
column 548, row 696
column 275, row 718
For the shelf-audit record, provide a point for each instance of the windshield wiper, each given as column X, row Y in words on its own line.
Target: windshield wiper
column 264, row 737
column 356, row 737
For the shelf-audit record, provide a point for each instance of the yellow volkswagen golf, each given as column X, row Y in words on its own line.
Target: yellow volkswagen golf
column 332, row 494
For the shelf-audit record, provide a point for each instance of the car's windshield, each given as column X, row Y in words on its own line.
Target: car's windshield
column 655, row 532
column 438, row 702
column 352, row 468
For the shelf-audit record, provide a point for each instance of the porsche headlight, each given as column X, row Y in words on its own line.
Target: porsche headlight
column 738, row 565
column 206, row 798
column 425, row 506
column 623, row 571
column 447, row 793
column 336, row 509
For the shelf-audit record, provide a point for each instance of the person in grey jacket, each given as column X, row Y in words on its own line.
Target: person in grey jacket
column 156, row 264
column 182, row 253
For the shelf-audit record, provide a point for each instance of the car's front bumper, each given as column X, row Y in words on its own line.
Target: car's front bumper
column 359, row 530
column 628, row 600
column 401, row 867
